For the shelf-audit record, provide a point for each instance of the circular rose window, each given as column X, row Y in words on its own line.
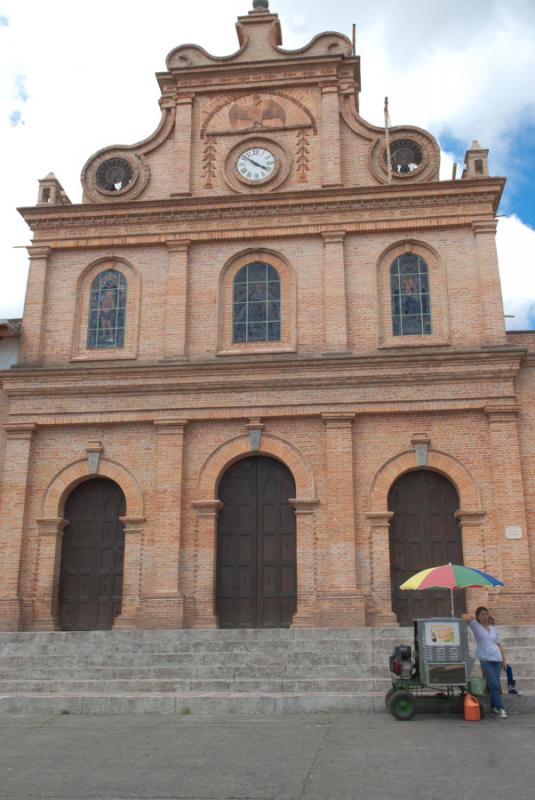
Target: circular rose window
column 406, row 156
column 114, row 175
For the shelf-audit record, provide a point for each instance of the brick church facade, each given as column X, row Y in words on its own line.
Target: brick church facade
column 263, row 372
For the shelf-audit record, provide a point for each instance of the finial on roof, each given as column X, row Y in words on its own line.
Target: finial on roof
column 260, row 5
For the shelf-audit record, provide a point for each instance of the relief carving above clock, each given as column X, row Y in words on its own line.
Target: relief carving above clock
column 257, row 112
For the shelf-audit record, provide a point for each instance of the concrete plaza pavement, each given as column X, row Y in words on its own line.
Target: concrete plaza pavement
column 299, row 757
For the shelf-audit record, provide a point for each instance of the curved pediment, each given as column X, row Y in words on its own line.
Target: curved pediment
column 260, row 39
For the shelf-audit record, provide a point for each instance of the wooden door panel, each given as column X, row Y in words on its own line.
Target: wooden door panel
column 423, row 533
column 256, row 569
column 92, row 557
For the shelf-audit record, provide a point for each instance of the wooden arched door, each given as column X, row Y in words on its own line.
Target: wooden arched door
column 423, row 533
column 91, row 581
column 256, row 549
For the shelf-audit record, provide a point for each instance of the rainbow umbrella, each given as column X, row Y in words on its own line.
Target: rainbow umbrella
column 451, row 576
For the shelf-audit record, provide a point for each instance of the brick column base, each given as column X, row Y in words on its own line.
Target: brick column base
column 10, row 614
column 165, row 612
column 342, row 609
column 512, row 608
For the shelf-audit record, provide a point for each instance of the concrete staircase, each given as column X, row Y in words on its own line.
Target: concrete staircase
column 216, row 671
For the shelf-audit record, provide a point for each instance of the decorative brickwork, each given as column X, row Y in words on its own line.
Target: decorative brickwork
column 348, row 406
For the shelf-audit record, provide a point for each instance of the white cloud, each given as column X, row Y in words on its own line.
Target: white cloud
column 516, row 252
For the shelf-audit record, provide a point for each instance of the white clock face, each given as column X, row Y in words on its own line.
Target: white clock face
column 256, row 164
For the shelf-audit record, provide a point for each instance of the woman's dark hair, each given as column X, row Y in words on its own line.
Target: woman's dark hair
column 479, row 609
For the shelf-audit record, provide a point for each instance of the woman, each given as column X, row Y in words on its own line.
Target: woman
column 490, row 654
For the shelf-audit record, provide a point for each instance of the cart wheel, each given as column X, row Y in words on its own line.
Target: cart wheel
column 388, row 695
column 402, row 705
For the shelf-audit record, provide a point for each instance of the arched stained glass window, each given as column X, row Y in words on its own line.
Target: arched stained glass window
column 107, row 311
column 256, row 304
column 411, row 300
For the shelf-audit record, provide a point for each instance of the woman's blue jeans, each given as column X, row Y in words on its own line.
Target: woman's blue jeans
column 492, row 671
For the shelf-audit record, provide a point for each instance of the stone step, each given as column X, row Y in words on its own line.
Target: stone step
column 131, row 641
column 282, row 655
column 213, row 702
column 192, row 672
column 249, row 671
column 70, row 648
column 76, row 686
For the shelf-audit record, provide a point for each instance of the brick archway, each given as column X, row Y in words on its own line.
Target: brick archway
column 438, row 462
column 72, row 475
column 51, row 525
column 470, row 516
column 240, row 447
column 208, row 505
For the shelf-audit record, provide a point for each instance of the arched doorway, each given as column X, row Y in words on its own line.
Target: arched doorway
column 92, row 555
column 256, row 547
column 423, row 533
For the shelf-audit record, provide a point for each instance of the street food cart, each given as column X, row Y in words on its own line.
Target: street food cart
column 437, row 668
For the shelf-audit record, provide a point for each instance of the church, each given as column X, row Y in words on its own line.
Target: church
column 263, row 375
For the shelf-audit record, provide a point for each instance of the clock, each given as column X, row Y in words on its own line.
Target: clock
column 256, row 165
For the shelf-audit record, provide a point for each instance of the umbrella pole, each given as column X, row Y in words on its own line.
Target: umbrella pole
column 452, row 608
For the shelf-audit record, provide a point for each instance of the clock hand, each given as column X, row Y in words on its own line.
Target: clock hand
column 260, row 166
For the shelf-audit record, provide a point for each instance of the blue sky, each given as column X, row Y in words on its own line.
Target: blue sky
column 461, row 70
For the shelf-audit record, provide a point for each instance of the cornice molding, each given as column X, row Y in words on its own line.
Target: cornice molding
column 370, row 200
column 253, row 374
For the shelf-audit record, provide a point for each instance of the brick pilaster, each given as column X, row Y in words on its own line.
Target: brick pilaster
column 12, row 517
column 133, row 555
column 164, row 604
column 176, row 300
column 34, row 306
column 307, row 612
column 490, row 292
column 182, row 144
column 509, row 509
column 331, row 171
column 334, row 294
column 381, row 607
column 205, row 567
column 342, row 605
column 45, row 616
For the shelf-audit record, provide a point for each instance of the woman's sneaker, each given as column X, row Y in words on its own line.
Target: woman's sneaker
column 512, row 690
column 501, row 712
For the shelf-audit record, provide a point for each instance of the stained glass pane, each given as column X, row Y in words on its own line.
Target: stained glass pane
column 240, row 333
column 257, row 312
column 256, row 332
column 411, row 301
column 274, row 331
column 107, row 311
column 240, row 312
column 257, row 272
column 256, row 294
column 274, row 291
column 241, row 277
column 273, row 311
column 240, row 292
column 257, row 291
